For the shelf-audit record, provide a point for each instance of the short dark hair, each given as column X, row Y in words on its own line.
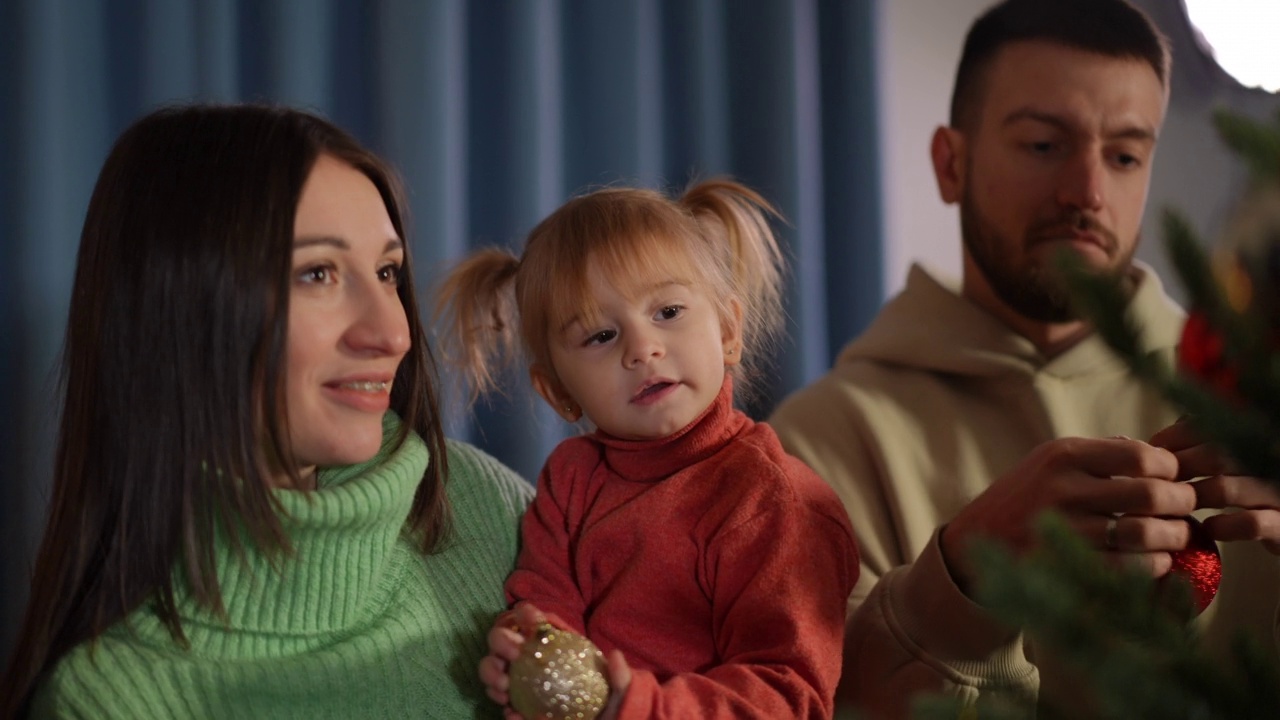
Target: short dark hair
column 174, row 367
column 1115, row 28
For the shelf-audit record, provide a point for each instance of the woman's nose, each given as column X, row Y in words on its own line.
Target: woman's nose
column 381, row 326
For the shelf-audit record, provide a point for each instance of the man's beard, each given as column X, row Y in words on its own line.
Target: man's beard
column 1029, row 287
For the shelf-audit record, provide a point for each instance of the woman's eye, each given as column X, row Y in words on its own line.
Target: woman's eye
column 390, row 273
column 316, row 275
column 670, row 312
column 601, row 337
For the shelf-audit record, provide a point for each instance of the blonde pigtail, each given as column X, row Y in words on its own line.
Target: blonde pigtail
column 736, row 218
column 476, row 314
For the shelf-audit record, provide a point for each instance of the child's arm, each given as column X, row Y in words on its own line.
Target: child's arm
column 543, row 575
column 780, row 582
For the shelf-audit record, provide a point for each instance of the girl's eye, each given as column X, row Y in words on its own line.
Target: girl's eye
column 670, row 312
column 601, row 337
column 390, row 273
column 316, row 275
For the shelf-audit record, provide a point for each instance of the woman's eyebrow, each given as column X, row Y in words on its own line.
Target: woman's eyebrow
column 334, row 241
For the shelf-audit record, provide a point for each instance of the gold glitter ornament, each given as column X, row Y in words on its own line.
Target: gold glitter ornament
column 558, row 676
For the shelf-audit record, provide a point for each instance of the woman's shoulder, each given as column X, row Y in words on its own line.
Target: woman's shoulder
column 87, row 681
column 475, row 475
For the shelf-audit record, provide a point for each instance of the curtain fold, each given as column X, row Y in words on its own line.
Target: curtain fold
column 493, row 111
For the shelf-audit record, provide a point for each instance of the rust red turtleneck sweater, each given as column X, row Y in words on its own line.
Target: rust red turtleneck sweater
column 718, row 564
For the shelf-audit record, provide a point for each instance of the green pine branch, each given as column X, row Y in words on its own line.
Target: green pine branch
column 1256, row 143
column 1248, row 428
column 1123, row 637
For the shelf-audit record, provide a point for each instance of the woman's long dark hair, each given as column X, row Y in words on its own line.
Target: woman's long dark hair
column 173, row 366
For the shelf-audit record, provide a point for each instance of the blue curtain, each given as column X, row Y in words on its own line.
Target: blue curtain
column 494, row 111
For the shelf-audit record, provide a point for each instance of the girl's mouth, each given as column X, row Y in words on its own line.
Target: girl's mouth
column 654, row 392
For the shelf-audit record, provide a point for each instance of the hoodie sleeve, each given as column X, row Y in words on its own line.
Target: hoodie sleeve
column 909, row 630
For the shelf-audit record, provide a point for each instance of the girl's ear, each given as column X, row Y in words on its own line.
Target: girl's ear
column 554, row 393
column 731, row 333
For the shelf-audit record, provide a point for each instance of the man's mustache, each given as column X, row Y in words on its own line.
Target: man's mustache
column 1072, row 223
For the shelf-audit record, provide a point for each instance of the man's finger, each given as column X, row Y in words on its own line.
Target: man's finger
column 1135, row 533
column 1154, row 564
column 1241, row 491
column 1132, row 495
column 1108, row 457
column 1245, row 525
column 1200, row 461
column 1176, row 437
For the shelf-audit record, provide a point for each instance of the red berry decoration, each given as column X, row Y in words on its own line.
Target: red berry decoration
column 1200, row 564
column 1201, row 354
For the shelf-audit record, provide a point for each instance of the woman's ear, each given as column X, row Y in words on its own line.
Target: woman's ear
column 731, row 333
column 554, row 393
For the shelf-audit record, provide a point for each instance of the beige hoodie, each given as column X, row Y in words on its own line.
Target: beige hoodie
column 916, row 418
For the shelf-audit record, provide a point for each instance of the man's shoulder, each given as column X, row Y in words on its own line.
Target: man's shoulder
column 845, row 391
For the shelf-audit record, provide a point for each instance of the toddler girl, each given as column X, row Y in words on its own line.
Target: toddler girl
column 711, row 567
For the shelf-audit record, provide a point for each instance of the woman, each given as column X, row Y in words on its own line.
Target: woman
column 255, row 511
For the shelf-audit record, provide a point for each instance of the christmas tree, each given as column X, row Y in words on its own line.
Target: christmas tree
column 1128, row 641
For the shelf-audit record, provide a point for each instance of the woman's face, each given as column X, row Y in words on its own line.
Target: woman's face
column 347, row 327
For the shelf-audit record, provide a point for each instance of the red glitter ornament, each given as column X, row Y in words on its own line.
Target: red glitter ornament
column 1200, row 564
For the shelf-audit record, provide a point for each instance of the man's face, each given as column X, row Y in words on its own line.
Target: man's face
column 1058, row 157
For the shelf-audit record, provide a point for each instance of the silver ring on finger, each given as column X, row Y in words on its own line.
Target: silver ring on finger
column 1109, row 539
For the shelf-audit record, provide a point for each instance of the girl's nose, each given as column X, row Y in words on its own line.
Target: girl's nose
column 642, row 347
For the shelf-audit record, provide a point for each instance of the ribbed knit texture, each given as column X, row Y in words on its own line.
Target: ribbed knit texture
column 356, row 623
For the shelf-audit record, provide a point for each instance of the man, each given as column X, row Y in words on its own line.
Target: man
column 966, row 414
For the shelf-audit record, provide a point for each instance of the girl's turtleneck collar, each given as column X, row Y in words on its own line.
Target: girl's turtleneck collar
column 653, row 460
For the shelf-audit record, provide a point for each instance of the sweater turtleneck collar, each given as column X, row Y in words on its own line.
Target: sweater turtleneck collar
column 652, row 460
column 342, row 566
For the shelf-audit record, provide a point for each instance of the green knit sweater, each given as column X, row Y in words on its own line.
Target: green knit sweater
column 357, row 623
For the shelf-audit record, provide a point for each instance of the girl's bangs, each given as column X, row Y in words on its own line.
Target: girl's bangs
column 630, row 262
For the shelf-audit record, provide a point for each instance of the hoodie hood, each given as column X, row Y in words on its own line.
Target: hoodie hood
column 929, row 326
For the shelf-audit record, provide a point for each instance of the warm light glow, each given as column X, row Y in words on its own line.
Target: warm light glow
column 1241, row 35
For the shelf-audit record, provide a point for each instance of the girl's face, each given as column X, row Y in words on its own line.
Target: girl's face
column 347, row 329
column 651, row 362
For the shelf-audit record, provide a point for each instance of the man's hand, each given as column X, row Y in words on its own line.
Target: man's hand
column 1092, row 483
column 1258, row 500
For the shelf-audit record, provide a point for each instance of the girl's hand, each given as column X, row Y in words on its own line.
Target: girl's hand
column 619, row 675
column 505, row 639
